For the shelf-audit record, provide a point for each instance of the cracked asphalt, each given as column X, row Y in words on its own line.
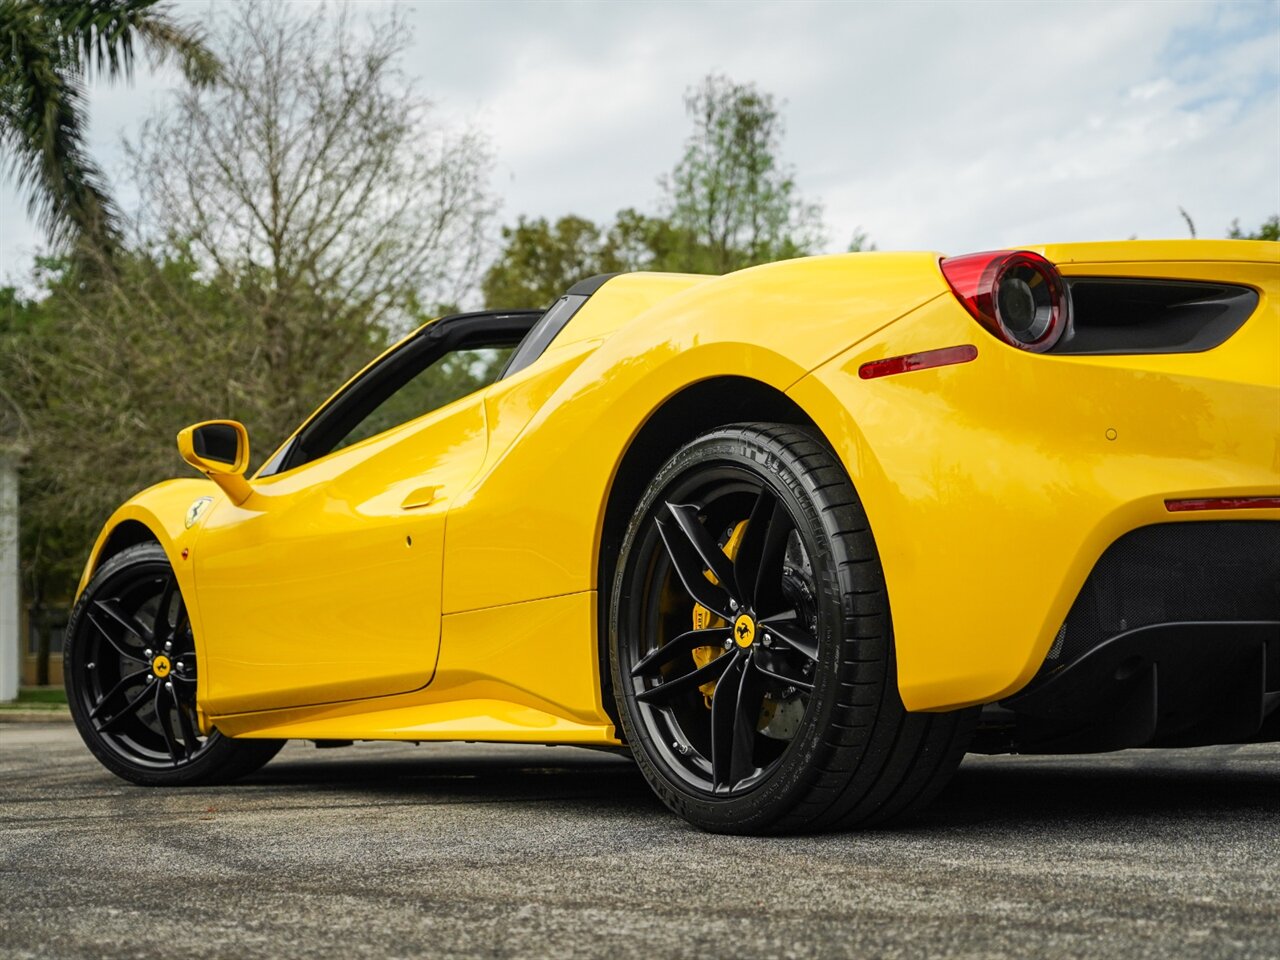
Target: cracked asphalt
column 388, row 850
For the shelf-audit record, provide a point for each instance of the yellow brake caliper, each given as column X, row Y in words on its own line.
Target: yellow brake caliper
column 704, row 619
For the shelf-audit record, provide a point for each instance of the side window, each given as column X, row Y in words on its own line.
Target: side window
column 441, row 363
column 449, row 378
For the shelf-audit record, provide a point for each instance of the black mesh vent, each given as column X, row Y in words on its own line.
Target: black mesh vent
column 1174, row 573
column 1118, row 315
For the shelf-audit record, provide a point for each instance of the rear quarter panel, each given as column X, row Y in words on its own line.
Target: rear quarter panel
column 994, row 486
column 529, row 527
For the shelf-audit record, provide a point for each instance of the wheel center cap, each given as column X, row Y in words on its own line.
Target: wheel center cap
column 161, row 666
column 744, row 630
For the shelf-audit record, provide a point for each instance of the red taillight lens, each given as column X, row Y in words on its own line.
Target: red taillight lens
column 1017, row 295
column 1223, row 503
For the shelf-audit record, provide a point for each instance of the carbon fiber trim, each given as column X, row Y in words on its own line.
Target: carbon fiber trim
column 1174, row 573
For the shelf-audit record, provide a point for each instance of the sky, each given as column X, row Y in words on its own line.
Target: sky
column 947, row 126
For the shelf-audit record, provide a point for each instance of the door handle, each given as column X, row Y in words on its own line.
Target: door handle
column 420, row 497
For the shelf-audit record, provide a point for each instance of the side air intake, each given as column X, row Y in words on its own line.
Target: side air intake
column 1114, row 315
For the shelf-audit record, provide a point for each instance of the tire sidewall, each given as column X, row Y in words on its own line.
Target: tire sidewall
column 218, row 750
column 774, row 796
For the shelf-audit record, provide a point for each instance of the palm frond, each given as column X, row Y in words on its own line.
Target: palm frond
column 43, row 130
column 100, row 35
column 47, row 51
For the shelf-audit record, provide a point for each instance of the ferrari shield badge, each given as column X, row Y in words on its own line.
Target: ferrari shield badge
column 196, row 509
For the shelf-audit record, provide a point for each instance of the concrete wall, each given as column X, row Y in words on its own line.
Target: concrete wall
column 11, row 649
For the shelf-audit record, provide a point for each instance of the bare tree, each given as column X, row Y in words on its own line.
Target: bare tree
column 292, row 220
column 316, row 173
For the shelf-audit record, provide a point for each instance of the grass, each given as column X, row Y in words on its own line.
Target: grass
column 42, row 695
column 38, row 698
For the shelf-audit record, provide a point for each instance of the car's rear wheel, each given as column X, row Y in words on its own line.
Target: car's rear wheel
column 129, row 665
column 751, row 646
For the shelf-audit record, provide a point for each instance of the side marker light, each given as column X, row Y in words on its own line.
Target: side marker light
column 942, row 357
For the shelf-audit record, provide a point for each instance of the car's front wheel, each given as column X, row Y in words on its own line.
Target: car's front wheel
column 751, row 646
column 129, row 664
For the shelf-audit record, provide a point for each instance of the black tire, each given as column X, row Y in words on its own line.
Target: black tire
column 846, row 752
column 130, row 673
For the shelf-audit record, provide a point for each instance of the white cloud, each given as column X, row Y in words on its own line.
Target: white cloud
column 951, row 126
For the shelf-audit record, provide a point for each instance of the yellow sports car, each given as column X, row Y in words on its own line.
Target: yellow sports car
column 796, row 537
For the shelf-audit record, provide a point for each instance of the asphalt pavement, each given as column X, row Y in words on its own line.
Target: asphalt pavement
column 453, row 850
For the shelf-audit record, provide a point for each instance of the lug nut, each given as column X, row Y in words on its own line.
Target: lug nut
column 147, row 653
column 150, row 678
column 178, row 665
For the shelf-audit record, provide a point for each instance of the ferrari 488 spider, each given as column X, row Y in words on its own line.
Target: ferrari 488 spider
column 796, row 537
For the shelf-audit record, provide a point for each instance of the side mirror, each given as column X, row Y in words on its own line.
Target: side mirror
column 220, row 450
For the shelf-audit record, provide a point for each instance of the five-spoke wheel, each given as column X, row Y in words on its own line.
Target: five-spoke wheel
column 751, row 649
column 130, row 672
column 138, row 672
column 758, row 651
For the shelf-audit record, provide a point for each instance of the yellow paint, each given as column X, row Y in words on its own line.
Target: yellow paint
column 744, row 631
column 332, row 604
column 230, row 477
column 993, row 488
column 161, row 666
column 554, row 482
column 162, row 510
column 523, row 673
column 325, row 584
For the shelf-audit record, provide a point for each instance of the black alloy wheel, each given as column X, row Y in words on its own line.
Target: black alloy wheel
column 762, row 653
column 138, row 669
column 750, row 646
column 130, row 673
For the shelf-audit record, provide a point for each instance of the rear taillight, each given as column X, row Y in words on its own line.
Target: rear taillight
column 1017, row 295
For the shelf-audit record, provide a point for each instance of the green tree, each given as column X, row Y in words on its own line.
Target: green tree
column 730, row 203
column 539, row 261
column 642, row 242
column 860, row 242
column 731, row 200
column 1270, row 230
column 51, row 49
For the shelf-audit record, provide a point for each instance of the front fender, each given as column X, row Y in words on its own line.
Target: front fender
column 162, row 509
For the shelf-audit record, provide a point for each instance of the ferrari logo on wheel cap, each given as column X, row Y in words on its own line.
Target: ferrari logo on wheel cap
column 160, row 666
column 744, row 631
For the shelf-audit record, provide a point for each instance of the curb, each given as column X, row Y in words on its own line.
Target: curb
column 35, row 716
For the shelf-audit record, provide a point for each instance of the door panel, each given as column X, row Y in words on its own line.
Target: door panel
column 325, row 584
